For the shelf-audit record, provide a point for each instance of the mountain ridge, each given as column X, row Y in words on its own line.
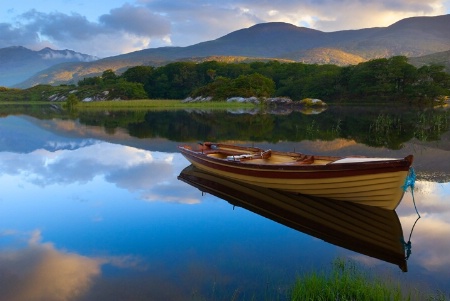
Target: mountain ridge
column 412, row 37
column 19, row 63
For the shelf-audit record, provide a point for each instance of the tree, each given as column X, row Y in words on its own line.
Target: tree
column 219, row 88
column 243, row 86
column 90, row 81
column 211, row 73
column 138, row 74
column 72, row 101
column 109, row 75
column 253, row 85
column 432, row 82
column 127, row 90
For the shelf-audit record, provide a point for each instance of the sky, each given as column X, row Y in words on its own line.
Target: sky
column 111, row 27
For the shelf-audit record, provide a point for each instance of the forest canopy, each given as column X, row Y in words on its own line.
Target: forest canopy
column 378, row 80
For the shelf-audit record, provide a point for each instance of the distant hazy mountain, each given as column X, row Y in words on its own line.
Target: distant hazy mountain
column 19, row 63
column 411, row 37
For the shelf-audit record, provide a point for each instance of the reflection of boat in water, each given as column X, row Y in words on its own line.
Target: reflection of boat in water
column 367, row 230
column 377, row 182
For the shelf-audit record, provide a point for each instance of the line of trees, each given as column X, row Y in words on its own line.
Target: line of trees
column 383, row 79
column 118, row 86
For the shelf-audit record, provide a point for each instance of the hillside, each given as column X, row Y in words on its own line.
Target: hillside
column 74, row 72
column 325, row 56
column 18, row 63
column 411, row 37
column 440, row 58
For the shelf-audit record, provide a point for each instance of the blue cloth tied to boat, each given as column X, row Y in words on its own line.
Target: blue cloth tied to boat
column 410, row 180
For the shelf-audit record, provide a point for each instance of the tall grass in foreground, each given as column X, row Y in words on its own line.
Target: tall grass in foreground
column 347, row 282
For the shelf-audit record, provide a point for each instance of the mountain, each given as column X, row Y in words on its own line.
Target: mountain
column 19, row 63
column 412, row 37
column 325, row 56
column 440, row 58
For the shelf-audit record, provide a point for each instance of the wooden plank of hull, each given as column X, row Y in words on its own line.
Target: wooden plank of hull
column 368, row 230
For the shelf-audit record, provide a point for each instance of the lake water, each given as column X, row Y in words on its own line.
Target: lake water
column 92, row 207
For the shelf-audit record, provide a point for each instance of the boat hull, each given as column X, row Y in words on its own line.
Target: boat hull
column 378, row 183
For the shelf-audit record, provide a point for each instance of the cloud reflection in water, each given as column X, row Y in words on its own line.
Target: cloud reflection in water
column 430, row 244
column 38, row 271
column 45, row 185
column 87, row 191
column 150, row 174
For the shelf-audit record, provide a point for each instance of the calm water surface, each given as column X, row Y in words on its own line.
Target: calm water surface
column 90, row 213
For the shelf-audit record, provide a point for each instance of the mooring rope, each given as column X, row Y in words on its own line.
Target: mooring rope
column 407, row 245
column 410, row 182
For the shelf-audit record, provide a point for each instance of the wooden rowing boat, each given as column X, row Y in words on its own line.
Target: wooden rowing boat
column 368, row 230
column 370, row 181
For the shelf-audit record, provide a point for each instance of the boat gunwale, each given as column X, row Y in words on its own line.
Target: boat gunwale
column 352, row 168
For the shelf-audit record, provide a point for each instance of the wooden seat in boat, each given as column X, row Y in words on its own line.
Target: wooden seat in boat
column 305, row 160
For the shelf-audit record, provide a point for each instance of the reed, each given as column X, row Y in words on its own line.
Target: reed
column 430, row 125
column 349, row 282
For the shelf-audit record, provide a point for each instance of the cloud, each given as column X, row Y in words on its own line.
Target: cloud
column 125, row 167
column 41, row 272
column 365, row 14
column 154, row 23
column 198, row 21
column 124, row 29
column 428, row 233
column 37, row 270
column 137, row 177
column 61, row 27
column 212, row 18
column 433, row 203
column 139, row 21
column 16, row 36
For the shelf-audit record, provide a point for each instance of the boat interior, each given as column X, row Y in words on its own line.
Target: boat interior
column 260, row 156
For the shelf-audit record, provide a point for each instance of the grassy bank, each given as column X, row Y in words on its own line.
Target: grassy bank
column 138, row 103
column 349, row 282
